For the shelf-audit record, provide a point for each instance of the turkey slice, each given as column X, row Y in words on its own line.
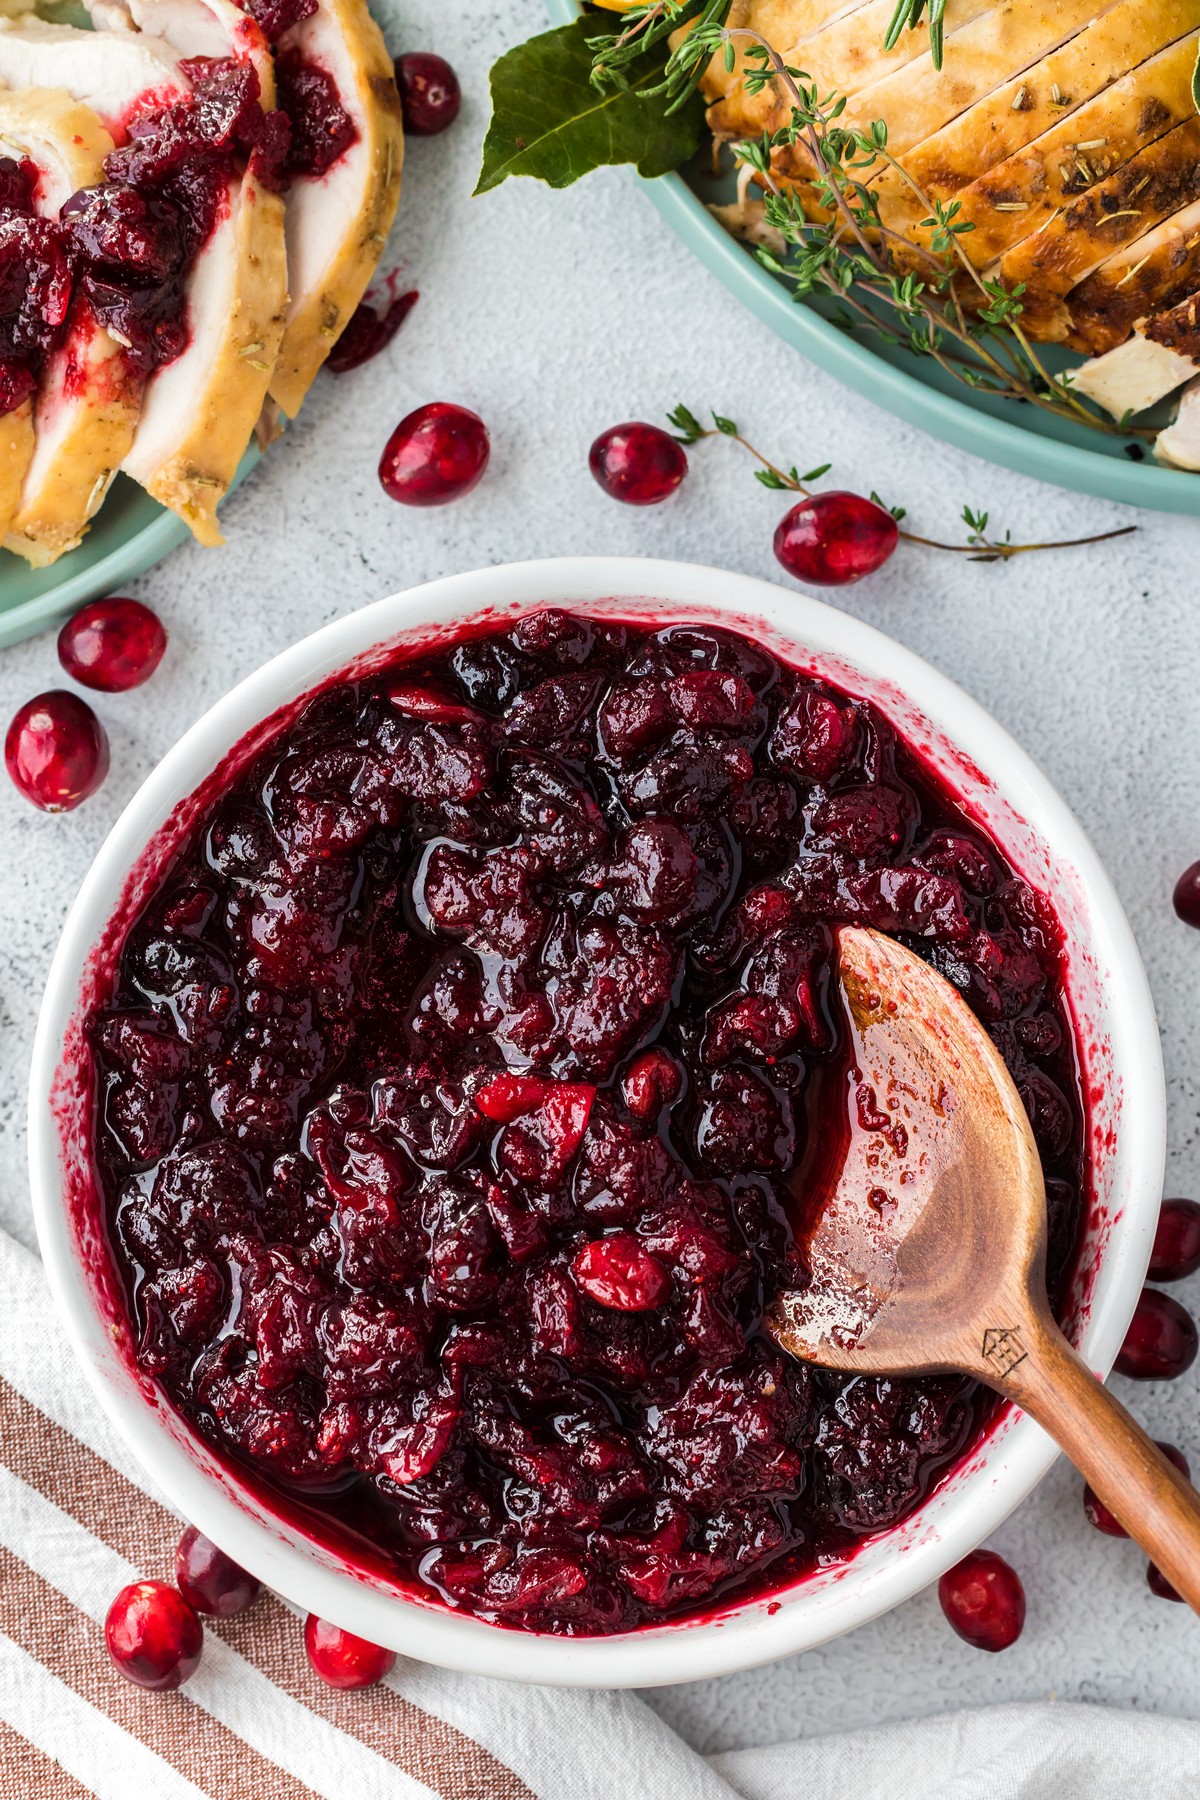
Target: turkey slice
column 1154, row 272
column 1160, row 181
column 337, row 223
column 67, row 144
column 919, row 100
column 199, row 411
column 1180, row 442
column 55, row 466
column 1034, row 101
column 1019, row 196
column 1133, row 377
column 844, row 51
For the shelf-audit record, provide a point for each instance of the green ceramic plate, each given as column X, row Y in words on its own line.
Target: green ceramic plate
column 1004, row 431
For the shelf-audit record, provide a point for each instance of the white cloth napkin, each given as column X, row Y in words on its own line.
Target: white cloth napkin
column 78, row 1521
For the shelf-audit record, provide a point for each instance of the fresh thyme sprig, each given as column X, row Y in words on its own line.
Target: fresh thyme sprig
column 926, row 297
column 908, row 14
column 979, row 547
column 644, row 27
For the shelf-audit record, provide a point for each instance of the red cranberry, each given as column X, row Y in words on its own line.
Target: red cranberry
column 56, row 751
column 112, row 645
column 1161, row 1341
column 983, row 1599
column 341, row 1659
column 1158, row 1584
column 1176, row 1251
column 1099, row 1515
column 834, row 539
column 436, row 454
column 652, row 1081
column 640, row 465
column 368, row 332
column 429, row 92
column 619, row 1273
column 1186, row 898
column 211, row 1581
column 153, row 1636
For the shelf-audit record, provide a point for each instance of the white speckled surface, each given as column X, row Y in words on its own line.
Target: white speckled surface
column 558, row 314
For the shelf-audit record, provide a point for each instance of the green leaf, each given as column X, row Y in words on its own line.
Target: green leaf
column 549, row 121
column 1196, row 84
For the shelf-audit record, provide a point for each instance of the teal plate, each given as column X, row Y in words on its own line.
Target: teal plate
column 1007, row 432
column 129, row 534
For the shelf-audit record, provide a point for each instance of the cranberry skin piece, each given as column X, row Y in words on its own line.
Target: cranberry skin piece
column 1158, row 1584
column 638, row 464
column 343, row 1660
column 368, row 332
column 435, row 455
column 1186, row 898
column 834, row 539
column 211, row 1581
column 984, row 1601
column 1161, row 1342
column 430, row 96
column 154, row 1637
column 1099, row 1515
column 112, row 645
column 1176, row 1251
column 56, row 751
column 618, row 1273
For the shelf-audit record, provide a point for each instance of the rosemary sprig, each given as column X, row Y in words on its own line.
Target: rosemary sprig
column 908, row 15
column 927, row 297
column 979, row 547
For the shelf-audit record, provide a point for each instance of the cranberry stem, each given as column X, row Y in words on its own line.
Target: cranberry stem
column 980, row 547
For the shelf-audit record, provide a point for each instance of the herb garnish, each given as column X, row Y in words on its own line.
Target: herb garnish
column 928, row 297
column 979, row 547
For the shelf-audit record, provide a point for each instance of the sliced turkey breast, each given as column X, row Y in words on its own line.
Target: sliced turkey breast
column 1180, row 442
column 338, row 217
column 198, row 409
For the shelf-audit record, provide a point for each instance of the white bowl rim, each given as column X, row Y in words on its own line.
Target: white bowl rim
column 1002, row 1472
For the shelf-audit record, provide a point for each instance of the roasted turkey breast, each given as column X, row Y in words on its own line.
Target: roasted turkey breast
column 1065, row 129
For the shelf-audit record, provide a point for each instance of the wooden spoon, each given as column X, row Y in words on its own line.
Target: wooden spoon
column 929, row 1254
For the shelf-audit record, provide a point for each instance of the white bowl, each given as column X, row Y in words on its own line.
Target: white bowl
column 1122, row 1074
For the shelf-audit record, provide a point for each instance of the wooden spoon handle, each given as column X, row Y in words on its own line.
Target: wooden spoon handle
column 1124, row 1468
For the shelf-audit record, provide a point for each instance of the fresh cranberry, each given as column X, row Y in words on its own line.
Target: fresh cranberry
column 618, row 1272
column 834, row 539
column 1158, row 1584
column 112, row 645
column 1176, row 1251
column 983, row 1599
column 368, row 332
column 153, row 1636
column 1161, row 1342
column 343, row 1660
column 1186, row 898
column 435, row 455
column 430, row 95
column 638, row 464
column 211, row 1581
column 56, row 751
column 1105, row 1521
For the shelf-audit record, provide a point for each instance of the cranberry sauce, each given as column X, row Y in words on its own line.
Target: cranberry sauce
column 35, row 285
column 461, row 1082
column 133, row 239
column 322, row 129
